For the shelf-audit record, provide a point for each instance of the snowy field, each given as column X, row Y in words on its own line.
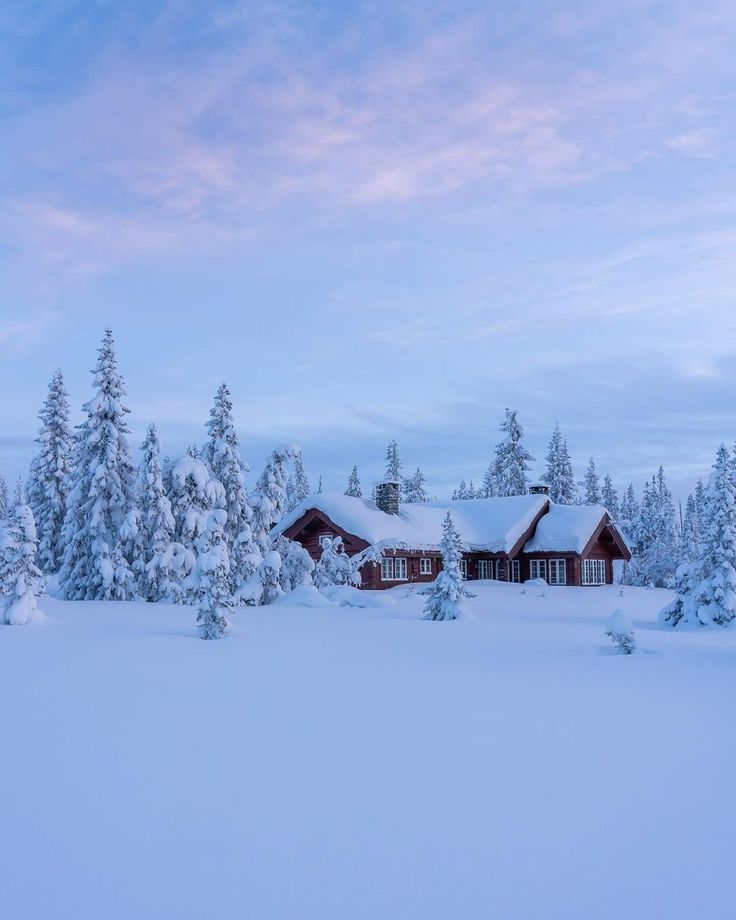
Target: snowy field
column 364, row 764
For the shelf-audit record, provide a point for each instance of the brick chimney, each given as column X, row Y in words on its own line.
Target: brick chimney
column 387, row 496
column 539, row 489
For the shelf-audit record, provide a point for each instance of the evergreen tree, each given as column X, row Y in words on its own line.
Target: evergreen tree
column 609, row 498
column 165, row 563
column 335, row 567
column 652, row 538
column 101, row 490
column 194, row 495
column 296, row 564
column 393, row 463
column 558, row 474
column 512, row 459
column 214, row 600
column 222, row 453
column 269, row 572
column 21, row 582
column 48, row 483
column 414, row 491
column 707, row 590
column 629, row 513
column 446, row 593
column 319, row 485
column 245, row 562
column 620, row 631
column 592, row 485
column 269, row 497
column 3, row 499
column 301, row 480
column 488, row 486
column 353, row 489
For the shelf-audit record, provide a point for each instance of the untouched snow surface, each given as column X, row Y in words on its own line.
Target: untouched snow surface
column 354, row 764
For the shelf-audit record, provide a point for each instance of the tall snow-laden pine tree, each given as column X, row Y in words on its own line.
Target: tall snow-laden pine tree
column 592, row 485
column 212, row 591
column 707, row 588
column 512, row 459
column 269, row 497
column 353, row 489
column 414, row 491
column 222, row 453
column 3, row 499
column 296, row 564
column 101, row 492
column 48, row 483
column 628, row 513
column 301, row 480
column 558, row 474
column 653, row 538
column 21, row 581
column 164, row 563
column 393, row 463
column 609, row 498
column 447, row 591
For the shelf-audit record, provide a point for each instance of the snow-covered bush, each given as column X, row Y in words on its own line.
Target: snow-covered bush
column 21, row 581
column 447, row 591
column 245, row 561
column 620, row 630
column 297, row 565
column 335, row 567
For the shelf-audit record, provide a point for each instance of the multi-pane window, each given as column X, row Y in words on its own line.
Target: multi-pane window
column 393, row 569
column 538, row 568
column 464, row 568
column 557, row 572
column 488, row 568
column 594, row 571
column 425, row 566
column 515, row 570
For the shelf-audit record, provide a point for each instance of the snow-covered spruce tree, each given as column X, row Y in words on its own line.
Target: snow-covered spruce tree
column 620, row 630
column 688, row 575
column 301, row 480
column 335, row 567
column 609, row 498
column 558, row 474
column 413, row 488
column 393, row 463
column 165, row 563
column 194, row 495
column 353, row 489
column 488, row 485
column 297, row 565
column 101, row 493
column 3, row 499
column 628, row 514
column 48, row 482
column 512, row 459
column 591, row 485
column 21, row 581
column 713, row 599
column 268, row 499
column 269, row 572
column 245, row 561
column 654, row 547
column 222, row 453
column 212, row 588
column 447, row 591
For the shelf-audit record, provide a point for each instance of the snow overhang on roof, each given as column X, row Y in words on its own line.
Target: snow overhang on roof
column 566, row 529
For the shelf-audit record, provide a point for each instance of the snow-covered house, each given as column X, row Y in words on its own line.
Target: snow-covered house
column 509, row 539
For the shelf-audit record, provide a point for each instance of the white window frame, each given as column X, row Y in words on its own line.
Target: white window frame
column 557, row 572
column 393, row 568
column 538, row 569
column 425, row 565
column 464, row 568
column 515, row 571
column 594, row 571
column 488, row 569
column 325, row 536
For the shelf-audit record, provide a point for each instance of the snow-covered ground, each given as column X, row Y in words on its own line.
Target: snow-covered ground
column 359, row 764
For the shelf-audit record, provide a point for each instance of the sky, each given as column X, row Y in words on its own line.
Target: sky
column 376, row 220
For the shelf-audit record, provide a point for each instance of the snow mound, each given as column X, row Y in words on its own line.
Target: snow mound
column 347, row 596
column 304, row 596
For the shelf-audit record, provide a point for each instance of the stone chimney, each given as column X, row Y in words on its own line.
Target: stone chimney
column 539, row 489
column 387, row 496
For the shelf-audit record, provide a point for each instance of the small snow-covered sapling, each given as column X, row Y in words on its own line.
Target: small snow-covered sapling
column 620, row 631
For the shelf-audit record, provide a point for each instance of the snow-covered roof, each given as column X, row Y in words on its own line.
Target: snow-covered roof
column 565, row 529
column 489, row 524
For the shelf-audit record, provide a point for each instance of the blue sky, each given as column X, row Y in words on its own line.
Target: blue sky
column 377, row 220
